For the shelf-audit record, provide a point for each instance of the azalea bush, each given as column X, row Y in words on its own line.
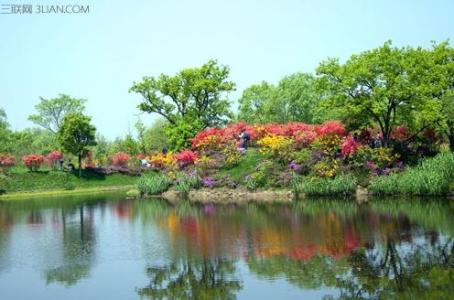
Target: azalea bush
column 186, row 158
column 6, row 162
column 54, row 157
column 33, row 161
column 278, row 147
column 161, row 160
column 119, row 159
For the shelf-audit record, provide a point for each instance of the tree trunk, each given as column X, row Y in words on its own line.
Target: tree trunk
column 80, row 165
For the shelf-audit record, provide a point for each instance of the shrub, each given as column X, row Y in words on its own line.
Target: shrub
column 152, row 184
column 6, row 161
column 279, row 147
column 185, row 181
column 186, row 158
column 431, row 177
column 119, row 159
column 54, row 157
column 33, row 161
column 340, row 185
column 161, row 161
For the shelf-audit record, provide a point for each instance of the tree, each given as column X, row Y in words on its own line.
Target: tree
column 386, row 86
column 155, row 137
column 254, row 103
column 194, row 95
column 76, row 134
column 51, row 112
column 4, row 132
column 293, row 99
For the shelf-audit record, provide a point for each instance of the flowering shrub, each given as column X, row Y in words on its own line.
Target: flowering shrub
column 326, row 168
column 6, row 161
column 232, row 155
column 119, row 159
column 54, row 157
column 279, row 147
column 328, row 144
column 140, row 156
column 185, row 158
column 33, row 161
column 208, row 182
column 349, row 146
column 162, row 161
column 400, row 133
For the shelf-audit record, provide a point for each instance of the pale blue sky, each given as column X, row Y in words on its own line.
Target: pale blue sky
column 97, row 56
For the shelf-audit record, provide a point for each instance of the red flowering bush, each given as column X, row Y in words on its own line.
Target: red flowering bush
column 33, row 161
column 53, row 157
column 119, row 159
column 6, row 160
column 185, row 158
column 140, row 156
column 400, row 133
column 331, row 127
column 349, row 146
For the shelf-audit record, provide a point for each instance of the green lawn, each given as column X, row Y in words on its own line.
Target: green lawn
column 246, row 165
column 21, row 180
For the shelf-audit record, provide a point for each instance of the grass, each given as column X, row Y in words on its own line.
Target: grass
column 247, row 164
column 341, row 185
column 152, row 183
column 432, row 177
column 21, row 180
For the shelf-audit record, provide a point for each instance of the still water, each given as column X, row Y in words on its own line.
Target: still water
column 105, row 247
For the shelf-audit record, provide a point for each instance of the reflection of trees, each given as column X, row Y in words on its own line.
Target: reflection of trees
column 78, row 249
column 192, row 279
column 309, row 274
column 421, row 272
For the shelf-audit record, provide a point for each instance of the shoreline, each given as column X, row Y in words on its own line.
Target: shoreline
column 59, row 192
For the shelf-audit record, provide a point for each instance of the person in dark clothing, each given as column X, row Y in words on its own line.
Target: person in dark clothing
column 244, row 138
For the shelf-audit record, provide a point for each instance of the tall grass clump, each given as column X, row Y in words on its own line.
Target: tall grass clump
column 431, row 177
column 340, row 185
column 152, row 184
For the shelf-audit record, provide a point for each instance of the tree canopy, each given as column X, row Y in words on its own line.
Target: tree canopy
column 194, row 93
column 386, row 87
column 76, row 134
column 293, row 99
column 50, row 112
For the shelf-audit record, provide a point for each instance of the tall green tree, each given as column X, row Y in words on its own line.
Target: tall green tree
column 192, row 96
column 384, row 87
column 51, row 112
column 4, row 132
column 293, row 99
column 76, row 134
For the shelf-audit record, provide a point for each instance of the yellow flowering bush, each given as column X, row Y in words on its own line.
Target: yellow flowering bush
column 277, row 146
column 160, row 160
column 326, row 168
column 232, row 155
column 329, row 144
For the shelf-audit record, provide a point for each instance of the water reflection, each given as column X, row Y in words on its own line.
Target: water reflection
column 386, row 249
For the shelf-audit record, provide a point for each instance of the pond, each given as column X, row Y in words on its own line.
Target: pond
column 106, row 247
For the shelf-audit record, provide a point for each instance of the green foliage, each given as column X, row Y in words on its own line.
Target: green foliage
column 133, row 193
column 432, row 177
column 384, row 87
column 185, row 182
column 343, row 184
column 20, row 180
column 293, row 99
column 194, row 93
column 152, row 184
column 51, row 112
column 76, row 134
column 179, row 134
column 155, row 138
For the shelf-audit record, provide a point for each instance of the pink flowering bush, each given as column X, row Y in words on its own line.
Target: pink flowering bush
column 119, row 159
column 33, row 161
column 185, row 158
column 349, row 146
column 54, row 157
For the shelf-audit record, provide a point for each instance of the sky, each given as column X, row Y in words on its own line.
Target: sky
column 98, row 55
